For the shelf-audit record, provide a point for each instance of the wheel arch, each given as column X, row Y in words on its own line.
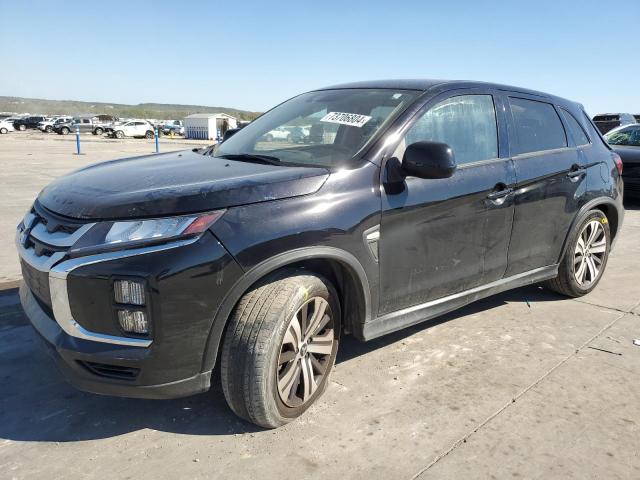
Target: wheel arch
column 606, row 205
column 338, row 266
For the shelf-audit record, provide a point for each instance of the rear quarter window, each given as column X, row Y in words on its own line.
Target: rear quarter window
column 575, row 129
column 537, row 126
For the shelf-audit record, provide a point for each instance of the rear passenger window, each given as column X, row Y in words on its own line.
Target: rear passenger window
column 537, row 125
column 576, row 130
column 466, row 123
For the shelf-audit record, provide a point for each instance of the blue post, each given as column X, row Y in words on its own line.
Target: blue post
column 78, row 140
column 157, row 144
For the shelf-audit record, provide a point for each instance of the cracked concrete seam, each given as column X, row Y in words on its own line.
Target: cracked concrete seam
column 464, row 438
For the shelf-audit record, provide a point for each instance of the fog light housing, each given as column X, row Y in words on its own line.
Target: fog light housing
column 129, row 292
column 133, row 321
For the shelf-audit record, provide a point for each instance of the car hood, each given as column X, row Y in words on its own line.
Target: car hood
column 173, row 184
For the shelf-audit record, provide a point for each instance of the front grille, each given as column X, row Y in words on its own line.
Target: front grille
column 44, row 240
column 111, row 371
column 55, row 223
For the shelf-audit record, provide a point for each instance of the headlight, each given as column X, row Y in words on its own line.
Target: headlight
column 127, row 234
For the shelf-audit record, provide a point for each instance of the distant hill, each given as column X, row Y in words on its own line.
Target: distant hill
column 37, row 106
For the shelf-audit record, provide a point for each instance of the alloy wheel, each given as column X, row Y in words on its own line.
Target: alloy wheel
column 589, row 253
column 305, row 352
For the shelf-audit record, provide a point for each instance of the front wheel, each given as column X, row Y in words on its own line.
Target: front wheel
column 279, row 348
column 65, row 131
column 22, row 128
column 119, row 134
column 3, row 131
column 585, row 257
column 48, row 129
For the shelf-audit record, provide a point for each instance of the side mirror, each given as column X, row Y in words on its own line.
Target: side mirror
column 429, row 160
column 229, row 133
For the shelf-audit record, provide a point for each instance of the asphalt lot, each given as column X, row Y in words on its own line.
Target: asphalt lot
column 525, row 384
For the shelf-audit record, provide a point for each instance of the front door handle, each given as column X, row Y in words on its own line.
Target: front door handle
column 500, row 194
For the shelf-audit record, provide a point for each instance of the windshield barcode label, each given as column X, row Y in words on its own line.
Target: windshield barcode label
column 351, row 119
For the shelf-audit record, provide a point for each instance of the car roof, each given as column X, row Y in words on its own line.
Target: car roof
column 425, row 85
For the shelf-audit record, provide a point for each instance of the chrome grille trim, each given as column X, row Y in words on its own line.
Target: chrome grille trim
column 58, row 238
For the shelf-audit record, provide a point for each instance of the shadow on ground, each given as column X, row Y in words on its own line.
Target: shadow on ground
column 38, row 405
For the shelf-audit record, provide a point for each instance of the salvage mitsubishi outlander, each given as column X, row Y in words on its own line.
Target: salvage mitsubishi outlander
column 377, row 205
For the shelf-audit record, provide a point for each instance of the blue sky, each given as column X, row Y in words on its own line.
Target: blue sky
column 254, row 54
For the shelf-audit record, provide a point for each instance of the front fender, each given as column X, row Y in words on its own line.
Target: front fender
column 265, row 268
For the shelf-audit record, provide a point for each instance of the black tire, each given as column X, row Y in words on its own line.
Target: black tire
column 3, row 131
column 64, row 131
column 567, row 282
column 98, row 131
column 48, row 129
column 149, row 134
column 255, row 340
column 119, row 134
column 22, row 127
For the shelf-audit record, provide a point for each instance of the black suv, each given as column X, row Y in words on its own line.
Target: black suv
column 416, row 198
column 28, row 122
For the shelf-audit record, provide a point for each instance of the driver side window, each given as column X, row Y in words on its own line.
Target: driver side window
column 467, row 123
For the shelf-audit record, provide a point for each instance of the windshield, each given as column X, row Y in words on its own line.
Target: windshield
column 325, row 128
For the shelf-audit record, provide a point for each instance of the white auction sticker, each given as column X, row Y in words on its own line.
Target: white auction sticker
column 351, row 119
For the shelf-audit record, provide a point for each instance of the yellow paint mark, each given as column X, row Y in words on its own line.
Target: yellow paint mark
column 306, row 292
column 604, row 220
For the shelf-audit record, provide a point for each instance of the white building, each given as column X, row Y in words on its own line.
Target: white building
column 208, row 126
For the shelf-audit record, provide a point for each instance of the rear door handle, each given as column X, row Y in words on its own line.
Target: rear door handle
column 576, row 173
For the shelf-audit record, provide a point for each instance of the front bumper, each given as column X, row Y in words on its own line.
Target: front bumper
column 187, row 281
column 72, row 356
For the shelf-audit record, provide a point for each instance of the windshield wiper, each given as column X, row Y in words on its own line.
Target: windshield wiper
column 249, row 157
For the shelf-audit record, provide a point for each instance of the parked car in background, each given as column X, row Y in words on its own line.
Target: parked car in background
column 637, row 117
column 173, row 126
column 625, row 141
column 6, row 126
column 288, row 133
column 608, row 121
column 280, row 133
column 48, row 125
column 260, row 255
column 29, row 122
column 299, row 134
column 84, row 124
column 135, row 128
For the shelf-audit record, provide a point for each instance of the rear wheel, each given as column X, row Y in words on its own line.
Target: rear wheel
column 149, row 134
column 64, row 131
column 586, row 256
column 48, row 129
column 280, row 347
column 269, row 138
column 22, row 127
column 98, row 131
